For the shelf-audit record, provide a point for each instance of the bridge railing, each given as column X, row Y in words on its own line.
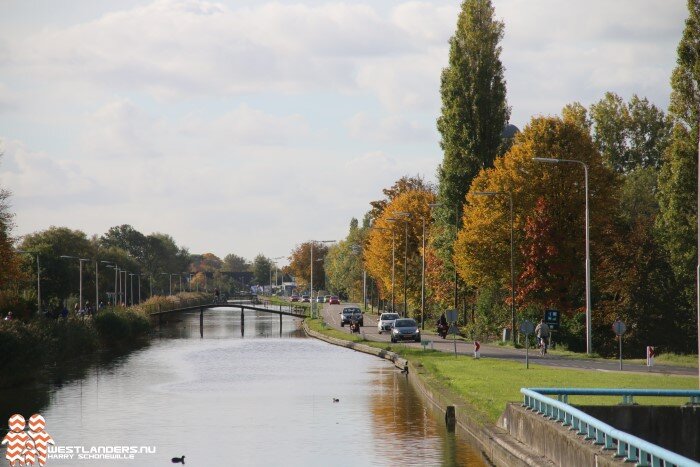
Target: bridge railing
column 627, row 446
column 176, row 304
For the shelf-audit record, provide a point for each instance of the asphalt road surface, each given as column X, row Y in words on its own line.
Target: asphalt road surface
column 331, row 315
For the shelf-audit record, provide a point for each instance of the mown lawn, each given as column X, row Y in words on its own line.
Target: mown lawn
column 488, row 384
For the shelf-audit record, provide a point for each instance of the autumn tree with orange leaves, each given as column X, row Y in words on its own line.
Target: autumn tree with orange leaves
column 548, row 203
column 406, row 231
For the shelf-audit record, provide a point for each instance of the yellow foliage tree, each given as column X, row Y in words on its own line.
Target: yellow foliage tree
column 482, row 250
column 406, row 235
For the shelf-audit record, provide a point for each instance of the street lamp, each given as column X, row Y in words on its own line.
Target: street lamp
column 433, row 205
column 171, row 281
column 274, row 261
column 116, row 269
column 405, row 215
column 80, row 260
column 38, row 279
column 589, row 332
column 512, row 267
column 311, row 282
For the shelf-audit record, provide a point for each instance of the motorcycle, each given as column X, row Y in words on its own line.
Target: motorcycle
column 355, row 326
column 442, row 329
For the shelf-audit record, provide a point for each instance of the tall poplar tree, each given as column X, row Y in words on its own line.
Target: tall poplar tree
column 474, row 114
column 678, row 178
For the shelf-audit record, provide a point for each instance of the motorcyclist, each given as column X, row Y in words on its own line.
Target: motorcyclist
column 442, row 326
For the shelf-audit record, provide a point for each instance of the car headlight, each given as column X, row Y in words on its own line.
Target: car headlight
column 417, row 331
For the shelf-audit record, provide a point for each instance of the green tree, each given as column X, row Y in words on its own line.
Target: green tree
column 235, row 263
column 474, row 109
column 344, row 266
column 628, row 135
column 677, row 221
column 262, row 266
column 577, row 114
column 473, row 116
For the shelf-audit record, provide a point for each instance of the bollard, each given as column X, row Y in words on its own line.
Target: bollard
column 201, row 322
column 450, row 418
column 280, row 325
column 477, row 347
column 650, row 356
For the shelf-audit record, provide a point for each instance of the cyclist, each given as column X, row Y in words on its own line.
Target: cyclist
column 542, row 332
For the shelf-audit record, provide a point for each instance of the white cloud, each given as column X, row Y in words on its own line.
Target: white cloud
column 394, row 128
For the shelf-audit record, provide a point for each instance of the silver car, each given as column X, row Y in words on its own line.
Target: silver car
column 405, row 329
column 386, row 321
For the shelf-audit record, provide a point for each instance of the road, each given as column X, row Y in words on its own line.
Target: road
column 331, row 315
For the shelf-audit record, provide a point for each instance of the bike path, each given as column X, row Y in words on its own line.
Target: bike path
column 331, row 315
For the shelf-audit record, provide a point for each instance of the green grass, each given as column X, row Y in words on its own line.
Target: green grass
column 690, row 361
column 488, row 384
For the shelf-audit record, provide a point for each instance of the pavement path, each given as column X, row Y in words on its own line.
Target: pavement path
column 331, row 315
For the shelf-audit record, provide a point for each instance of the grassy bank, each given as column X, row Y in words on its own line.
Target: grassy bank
column 488, row 384
column 29, row 347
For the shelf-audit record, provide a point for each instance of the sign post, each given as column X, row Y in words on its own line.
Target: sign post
column 527, row 328
column 451, row 316
column 619, row 329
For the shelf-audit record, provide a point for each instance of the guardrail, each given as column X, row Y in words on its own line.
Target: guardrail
column 628, row 447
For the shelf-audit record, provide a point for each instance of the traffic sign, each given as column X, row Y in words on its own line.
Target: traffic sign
column 551, row 318
column 451, row 316
column 526, row 327
column 619, row 327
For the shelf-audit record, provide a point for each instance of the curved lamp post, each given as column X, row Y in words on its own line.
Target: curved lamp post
column 512, row 267
column 311, row 282
column 80, row 260
column 589, row 337
column 406, row 216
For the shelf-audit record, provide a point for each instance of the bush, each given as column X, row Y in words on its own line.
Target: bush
column 117, row 326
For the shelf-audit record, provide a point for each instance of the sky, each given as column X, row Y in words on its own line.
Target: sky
column 250, row 127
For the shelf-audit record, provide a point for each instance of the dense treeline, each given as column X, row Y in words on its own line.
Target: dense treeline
column 642, row 169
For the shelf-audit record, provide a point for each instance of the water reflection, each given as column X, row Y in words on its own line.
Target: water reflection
column 260, row 399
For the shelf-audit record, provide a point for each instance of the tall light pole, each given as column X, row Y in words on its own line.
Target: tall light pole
column 80, row 260
column 698, row 252
column 274, row 261
column 393, row 263
column 405, row 217
column 512, row 266
column 38, row 279
column 589, row 332
column 171, row 281
column 311, row 282
column 433, row 205
column 109, row 264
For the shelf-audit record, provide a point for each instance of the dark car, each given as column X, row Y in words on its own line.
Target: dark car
column 295, row 298
column 334, row 300
column 348, row 315
column 405, row 329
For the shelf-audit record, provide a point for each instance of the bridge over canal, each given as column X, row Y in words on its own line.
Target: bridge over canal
column 281, row 310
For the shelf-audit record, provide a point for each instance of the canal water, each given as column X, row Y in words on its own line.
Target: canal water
column 246, row 397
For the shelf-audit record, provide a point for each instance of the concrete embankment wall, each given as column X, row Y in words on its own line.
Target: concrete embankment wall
column 495, row 443
column 550, row 439
column 674, row 428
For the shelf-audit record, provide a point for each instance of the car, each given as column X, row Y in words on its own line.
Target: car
column 386, row 321
column 334, row 300
column 349, row 314
column 405, row 329
column 327, row 298
column 295, row 298
column 320, row 299
column 305, row 298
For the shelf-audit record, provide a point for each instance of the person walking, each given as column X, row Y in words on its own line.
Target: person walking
column 542, row 332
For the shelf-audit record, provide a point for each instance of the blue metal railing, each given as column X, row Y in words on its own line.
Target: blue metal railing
column 627, row 446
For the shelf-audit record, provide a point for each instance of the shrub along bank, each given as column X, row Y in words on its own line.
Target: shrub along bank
column 29, row 347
